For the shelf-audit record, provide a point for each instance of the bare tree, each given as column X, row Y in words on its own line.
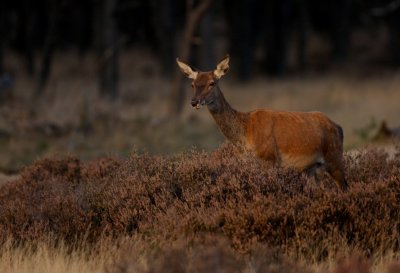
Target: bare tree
column 391, row 13
column 195, row 12
column 2, row 34
column 302, row 28
column 49, row 46
column 108, row 50
column 166, row 20
column 277, row 42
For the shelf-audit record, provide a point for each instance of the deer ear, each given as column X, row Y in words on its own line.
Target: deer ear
column 186, row 70
column 222, row 67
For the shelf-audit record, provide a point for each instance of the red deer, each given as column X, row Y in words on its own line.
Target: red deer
column 301, row 140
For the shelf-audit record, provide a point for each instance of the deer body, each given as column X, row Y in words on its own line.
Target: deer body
column 302, row 140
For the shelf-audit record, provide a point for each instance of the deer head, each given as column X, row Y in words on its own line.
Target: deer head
column 204, row 83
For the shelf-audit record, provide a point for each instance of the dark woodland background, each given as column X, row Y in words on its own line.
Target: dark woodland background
column 268, row 37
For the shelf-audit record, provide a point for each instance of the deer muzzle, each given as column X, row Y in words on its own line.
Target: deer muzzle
column 196, row 103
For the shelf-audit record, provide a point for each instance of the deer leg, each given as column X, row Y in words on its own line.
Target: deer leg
column 336, row 170
column 338, row 176
column 315, row 170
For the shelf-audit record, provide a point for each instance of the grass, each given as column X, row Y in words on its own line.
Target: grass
column 44, row 258
column 133, row 255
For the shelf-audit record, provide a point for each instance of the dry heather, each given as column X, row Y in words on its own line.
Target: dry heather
column 203, row 199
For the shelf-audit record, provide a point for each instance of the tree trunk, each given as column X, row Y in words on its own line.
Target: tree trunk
column 2, row 41
column 165, row 24
column 24, row 33
column 109, row 51
column 206, row 55
column 48, row 48
column 193, row 18
column 277, row 40
column 302, row 27
column 341, row 31
column 245, row 21
column 394, row 43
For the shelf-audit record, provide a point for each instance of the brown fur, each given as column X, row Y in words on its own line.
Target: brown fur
column 302, row 140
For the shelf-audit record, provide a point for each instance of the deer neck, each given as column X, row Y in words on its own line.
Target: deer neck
column 230, row 122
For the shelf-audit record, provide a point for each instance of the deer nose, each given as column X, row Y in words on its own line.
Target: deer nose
column 195, row 102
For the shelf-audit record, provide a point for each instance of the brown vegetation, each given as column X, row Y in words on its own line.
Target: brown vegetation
column 385, row 132
column 211, row 202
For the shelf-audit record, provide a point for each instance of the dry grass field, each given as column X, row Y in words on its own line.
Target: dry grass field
column 93, row 186
column 70, row 118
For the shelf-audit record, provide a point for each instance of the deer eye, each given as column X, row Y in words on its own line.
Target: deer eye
column 212, row 83
column 192, row 85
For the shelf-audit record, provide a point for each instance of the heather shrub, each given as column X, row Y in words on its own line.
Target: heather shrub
column 372, row 165
column 51, row 197
column 164, row 199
